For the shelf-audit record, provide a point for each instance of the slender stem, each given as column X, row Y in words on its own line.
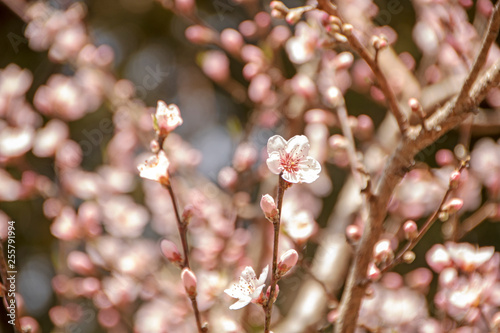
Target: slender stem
column 485, row 211
column 489, row 38
column 197, row 314
column 180, row 225
column 427, row 225
column 268, row 309
column 371, row 60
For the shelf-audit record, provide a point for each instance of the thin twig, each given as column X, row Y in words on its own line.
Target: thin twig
column 181, row 225
column 268, row 309
column 371, row 60
column 485, row 211
column 489, row 38
column 427, row 225
column 18, row 7
column 197, row 315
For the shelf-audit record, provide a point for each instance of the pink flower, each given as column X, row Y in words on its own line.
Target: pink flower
column 290, row 158
column 302, row 46
column 248, row 289
column 168, row 117
column 155, row 168
column 468, row 257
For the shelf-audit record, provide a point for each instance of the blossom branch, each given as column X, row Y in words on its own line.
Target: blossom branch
column 181, row 226
column 489, row 38
column 427, row 225
column 371, row 60
column 268, row 309
column 440, row 122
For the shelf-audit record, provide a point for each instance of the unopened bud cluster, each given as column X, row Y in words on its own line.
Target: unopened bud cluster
column 337, row 29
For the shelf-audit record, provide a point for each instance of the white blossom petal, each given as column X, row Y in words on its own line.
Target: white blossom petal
column 241, row 303
column 274, row 163
column 291, row 177
column 276, row 143
column 263, row 275
column 298, row 146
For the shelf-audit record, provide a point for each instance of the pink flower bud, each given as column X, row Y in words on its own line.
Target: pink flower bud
column 353, row 233
column 259, row 88
column 187, row 213
column 215, row 65
column 277, row 14
column 170, row 251
column 244, row 156
column 448, row 277
column 154, row 146
column 337, row 142
column 268, row 207
column 303, row 86
column 382, row 252
column 444, row 157
column 293, row 16
column 373, row 272
column 231, row 40
column 276, row 293
column 414, row 104
column 438, row 258
column 80, row 263
column 454, row 179
column 379, row 42
column 198, row 34
column 227, row 177
column 189, row 281
column 186, row 7
column 248, row 28
column 364, row 127
column 343, row 60
column 453, row 205
column 333, row 97
column 278, row 5
column 411, row 230
column 287, row 261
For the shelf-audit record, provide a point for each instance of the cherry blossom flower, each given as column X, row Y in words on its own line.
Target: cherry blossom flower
column 248, row 289
column 290, row 158
column 155, row 168
column 168, row 117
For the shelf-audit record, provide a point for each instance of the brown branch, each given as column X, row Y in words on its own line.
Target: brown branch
column 440, row 122
column 489, row 38
column 182, row 226
column 17, row 7
column 371, row 60
column 268, row 308
column 484, row 212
